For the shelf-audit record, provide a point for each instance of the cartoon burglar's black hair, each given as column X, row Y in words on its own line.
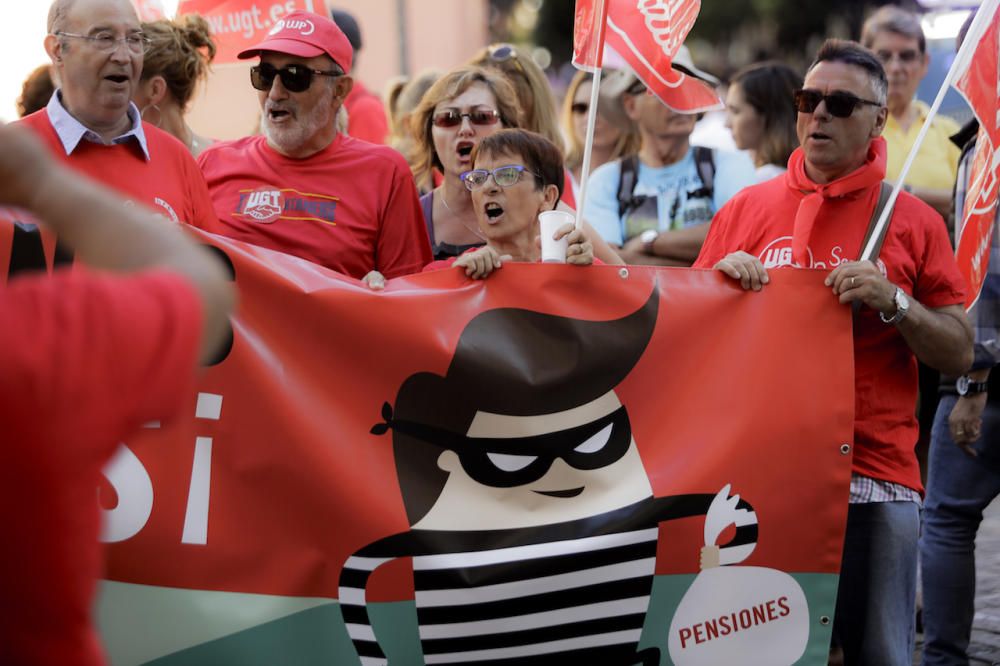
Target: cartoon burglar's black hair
column 514, row 362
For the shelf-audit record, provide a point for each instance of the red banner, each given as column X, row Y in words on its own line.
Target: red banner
column 648, row 34
column 240, row 24
column 591, row 19
column 979, row 83
column 357, row 471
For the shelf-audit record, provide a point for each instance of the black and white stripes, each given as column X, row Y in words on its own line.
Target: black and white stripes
column 517, row 596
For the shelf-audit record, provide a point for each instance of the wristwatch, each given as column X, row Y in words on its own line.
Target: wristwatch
column 902, row 307
column 647, row 238
column 966, row 386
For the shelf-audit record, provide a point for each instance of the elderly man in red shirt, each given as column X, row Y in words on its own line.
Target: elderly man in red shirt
column 303, row 187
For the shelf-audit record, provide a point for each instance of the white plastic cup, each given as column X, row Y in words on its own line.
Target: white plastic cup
column 554, row 251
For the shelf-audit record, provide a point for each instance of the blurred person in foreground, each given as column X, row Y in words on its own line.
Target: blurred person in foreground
column 761, row 115
column 87, row 355
column 895, row 36
column 611, row 140
column 175, row 62
column 97, row 49
column 515, row 176
column 908, row 306
column 304, row 187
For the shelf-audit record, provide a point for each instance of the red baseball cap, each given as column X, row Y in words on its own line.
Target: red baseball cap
column 306, row 35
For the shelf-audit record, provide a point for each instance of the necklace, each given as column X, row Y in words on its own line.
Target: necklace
column 475, row 232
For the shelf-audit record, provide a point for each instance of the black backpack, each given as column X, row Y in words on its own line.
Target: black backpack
column 628, row 201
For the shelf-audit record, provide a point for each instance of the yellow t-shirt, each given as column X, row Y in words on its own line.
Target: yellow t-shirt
column 937, row 160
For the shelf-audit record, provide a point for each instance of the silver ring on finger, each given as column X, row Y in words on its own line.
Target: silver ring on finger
column 852, row 282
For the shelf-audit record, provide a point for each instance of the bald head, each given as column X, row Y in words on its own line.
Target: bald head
column 60, row 10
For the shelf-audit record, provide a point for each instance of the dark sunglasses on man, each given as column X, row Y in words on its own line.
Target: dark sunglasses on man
column 838, row 104
column 295, row 78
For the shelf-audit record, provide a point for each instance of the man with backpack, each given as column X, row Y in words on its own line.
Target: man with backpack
column 656, row 205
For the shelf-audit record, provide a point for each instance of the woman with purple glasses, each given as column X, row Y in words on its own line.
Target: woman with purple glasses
column 465, row 106
column 516, row 175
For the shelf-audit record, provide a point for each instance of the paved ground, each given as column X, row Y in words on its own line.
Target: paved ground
column 985, row 647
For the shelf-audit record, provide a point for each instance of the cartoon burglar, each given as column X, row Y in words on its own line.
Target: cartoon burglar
column 534, row 525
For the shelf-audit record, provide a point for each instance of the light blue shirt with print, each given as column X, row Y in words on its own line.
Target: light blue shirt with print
column 671, row 185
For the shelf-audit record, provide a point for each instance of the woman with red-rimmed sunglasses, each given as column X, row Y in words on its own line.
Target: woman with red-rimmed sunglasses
column 461, row 109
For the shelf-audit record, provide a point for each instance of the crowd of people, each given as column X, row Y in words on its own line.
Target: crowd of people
column 451, row 171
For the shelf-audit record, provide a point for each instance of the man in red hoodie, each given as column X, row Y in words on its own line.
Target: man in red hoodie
column 909, row 307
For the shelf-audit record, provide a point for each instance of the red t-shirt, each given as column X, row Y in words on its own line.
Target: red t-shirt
column 916, row 256
column 352, row 207
column 366, row 119
column 84, row 360
column 169, row 182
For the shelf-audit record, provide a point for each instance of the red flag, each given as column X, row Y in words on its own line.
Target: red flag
column 978, row 82
column 648, row 34
column 588, row 34
column 239, row 24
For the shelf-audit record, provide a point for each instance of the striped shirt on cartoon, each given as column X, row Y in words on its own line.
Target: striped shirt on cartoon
column 572, row 592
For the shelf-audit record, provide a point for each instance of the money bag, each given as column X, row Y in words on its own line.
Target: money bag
column 736, row 615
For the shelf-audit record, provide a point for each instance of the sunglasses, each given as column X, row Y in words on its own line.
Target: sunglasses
column 507, row 463
column 839, row 104
column 580, row 108
column 505, row 53
column 907, row 57
column 295, row 78
column 481, row 117
column 505, row 176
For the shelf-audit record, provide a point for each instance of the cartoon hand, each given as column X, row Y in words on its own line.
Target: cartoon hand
column 709, row 557
column 722, row 513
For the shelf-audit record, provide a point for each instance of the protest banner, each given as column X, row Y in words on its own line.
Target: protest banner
column 657, row 468
column 978, row 80
column 240, row 24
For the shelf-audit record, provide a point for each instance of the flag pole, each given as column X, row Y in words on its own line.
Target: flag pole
column 964, row 53
column 601, row 11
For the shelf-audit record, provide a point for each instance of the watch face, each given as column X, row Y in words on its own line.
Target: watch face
column 962, row 385
column 902, row 302
column 648, row 236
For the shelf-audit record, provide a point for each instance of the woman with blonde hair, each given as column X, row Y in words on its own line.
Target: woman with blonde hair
column 462, row 108
column 175, row 61
column 610, row 140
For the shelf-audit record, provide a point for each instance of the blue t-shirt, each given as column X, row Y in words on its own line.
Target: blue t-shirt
column 673, row 190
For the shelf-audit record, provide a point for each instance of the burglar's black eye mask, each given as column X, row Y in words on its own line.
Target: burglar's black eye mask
column 505, row 463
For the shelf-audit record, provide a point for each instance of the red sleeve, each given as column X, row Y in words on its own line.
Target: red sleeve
column 94, row 355
column 939, row 282
column 403, row 245
column 367, row 120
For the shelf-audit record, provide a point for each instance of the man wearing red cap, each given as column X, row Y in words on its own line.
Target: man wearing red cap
column 908, row 306
column 304, row 187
